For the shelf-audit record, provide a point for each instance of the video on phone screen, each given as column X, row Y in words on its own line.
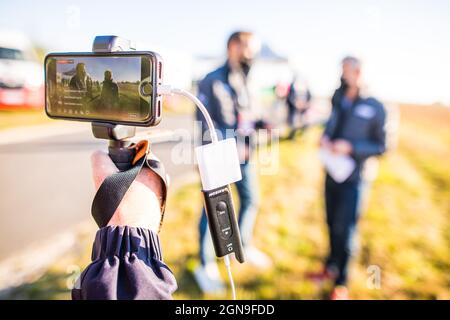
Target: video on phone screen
column 97, row 88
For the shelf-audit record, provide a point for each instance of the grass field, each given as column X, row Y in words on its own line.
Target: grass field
column 10, row 119
column 23, row 118
column 405, row 231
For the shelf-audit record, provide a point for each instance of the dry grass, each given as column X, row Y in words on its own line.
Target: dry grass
column 22, row 118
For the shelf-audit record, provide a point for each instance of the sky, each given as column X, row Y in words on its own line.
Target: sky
column 404, row 44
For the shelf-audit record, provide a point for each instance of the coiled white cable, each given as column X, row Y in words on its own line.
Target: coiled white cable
column 168, row 90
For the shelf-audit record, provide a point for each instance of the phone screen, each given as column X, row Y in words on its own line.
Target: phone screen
column 99, row 87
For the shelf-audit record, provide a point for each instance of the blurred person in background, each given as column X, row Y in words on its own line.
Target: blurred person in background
column 298, row 102
column 109, row 97
column 225, row 93
column 81, row 81
column 81, row 89
column 356, row 128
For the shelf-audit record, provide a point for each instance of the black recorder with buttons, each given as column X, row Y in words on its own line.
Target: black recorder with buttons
column 222, row 222
column 218, row 164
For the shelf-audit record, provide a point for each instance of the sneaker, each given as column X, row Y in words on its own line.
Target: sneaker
column 209, row 280
column 257, row 258
column 327, row 274
column 339, row 293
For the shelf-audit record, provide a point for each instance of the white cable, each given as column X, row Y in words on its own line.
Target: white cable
column 226, row 259
column 168, row 90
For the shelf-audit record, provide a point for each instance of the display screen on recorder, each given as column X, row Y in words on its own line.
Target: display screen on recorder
column 99, row 87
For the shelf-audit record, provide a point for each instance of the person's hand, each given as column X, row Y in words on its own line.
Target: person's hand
column 325, row 143
column 300, row 104
column 341, row 146
column 141, row 205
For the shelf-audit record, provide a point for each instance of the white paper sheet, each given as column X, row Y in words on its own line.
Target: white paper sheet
column 339, row 167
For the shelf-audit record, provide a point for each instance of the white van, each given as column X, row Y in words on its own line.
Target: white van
column 21, row 75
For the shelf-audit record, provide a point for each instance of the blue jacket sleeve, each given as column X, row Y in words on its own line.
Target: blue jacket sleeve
column 211, row 92
column 126, row 264
column 206, row 97
column 376, row 145
column 330, row 124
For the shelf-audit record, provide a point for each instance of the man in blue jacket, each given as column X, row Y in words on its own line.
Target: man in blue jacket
column 225, row 93
column 298, row 102
column 356, row 128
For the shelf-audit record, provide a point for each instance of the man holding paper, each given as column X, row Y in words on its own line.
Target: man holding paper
column 354, row 132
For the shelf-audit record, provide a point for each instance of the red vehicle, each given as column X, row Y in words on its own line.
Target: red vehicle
column 21, row 75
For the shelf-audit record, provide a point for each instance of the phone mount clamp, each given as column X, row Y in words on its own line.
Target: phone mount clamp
column 130, row 158
column 118, row 150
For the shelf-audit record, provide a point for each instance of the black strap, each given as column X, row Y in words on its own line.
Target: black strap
column 111, row 192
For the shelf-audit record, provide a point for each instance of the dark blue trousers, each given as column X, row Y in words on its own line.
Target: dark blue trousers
column 342, row 206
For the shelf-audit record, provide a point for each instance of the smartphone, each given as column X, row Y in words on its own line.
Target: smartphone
column 113, row 87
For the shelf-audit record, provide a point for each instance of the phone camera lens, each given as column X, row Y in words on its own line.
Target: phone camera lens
column 146, row 89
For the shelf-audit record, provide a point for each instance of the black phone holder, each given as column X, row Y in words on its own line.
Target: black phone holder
column 129, row 158
column 118, row 149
